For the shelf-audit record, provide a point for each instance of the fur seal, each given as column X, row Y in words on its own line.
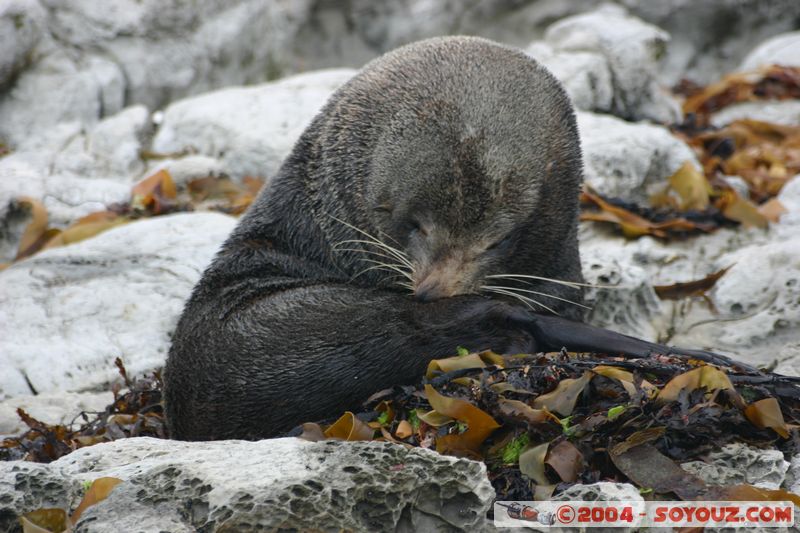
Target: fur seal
column 424, row 208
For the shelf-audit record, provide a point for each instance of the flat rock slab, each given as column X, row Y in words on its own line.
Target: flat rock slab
column 249, row 129
column 286, row 484
column 66, row 313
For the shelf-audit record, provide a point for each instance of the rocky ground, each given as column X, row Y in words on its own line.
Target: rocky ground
column 93, row 101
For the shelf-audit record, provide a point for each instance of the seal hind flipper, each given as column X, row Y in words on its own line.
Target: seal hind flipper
column 554, row 333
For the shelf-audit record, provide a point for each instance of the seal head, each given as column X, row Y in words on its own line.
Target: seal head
column 462, row 154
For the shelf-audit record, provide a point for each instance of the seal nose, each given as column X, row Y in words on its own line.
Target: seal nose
column 442, row 279
column 427, row 292
column 430, row 289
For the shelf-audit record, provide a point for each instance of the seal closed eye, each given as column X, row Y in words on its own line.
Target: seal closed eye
column 424, row 208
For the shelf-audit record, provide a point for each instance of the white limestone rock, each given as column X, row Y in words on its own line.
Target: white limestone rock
column 792, row 481
column 27, row 486
column 752, row 313
column 187, row 168
column 604, row 491
column 90, row 170
column 270, row 484
column 59, row 88
column 21, row 23
column 50, row 408
column 786, row 112
column 738, row 463
column 738, row 184
column 66, row 313
column 628, row 160
column 66, row 196
column 249, row 129
column 757, row 303
column 626, row 301
column 169, row 51
column 783, row 49
column 110, row 150
column 585, row 75
column 635, row 266
column 789, row 360
column 789, row 197
column 631, row 50
column 90, row 62
column 711, row 37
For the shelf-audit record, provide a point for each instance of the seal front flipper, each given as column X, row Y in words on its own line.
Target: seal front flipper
column 553, row 333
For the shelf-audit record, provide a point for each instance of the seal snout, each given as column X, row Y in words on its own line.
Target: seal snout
column 429, row 290
column 445, row 278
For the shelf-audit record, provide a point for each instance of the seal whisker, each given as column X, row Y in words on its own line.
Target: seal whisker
column 392, row 276
column 391, row 238
column 389, row 266
column 374, row 267
column 524, row 299
column 396, row 254
column 572, row 284
column 539, row 293
column 361, row 250
column 374, row 239
column 381, row 246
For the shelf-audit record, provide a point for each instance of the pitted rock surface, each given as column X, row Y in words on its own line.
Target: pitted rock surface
column 26, row 487
column 265, row 485
column 739, row 463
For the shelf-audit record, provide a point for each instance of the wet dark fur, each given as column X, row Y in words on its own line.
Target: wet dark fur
column 471, row 140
